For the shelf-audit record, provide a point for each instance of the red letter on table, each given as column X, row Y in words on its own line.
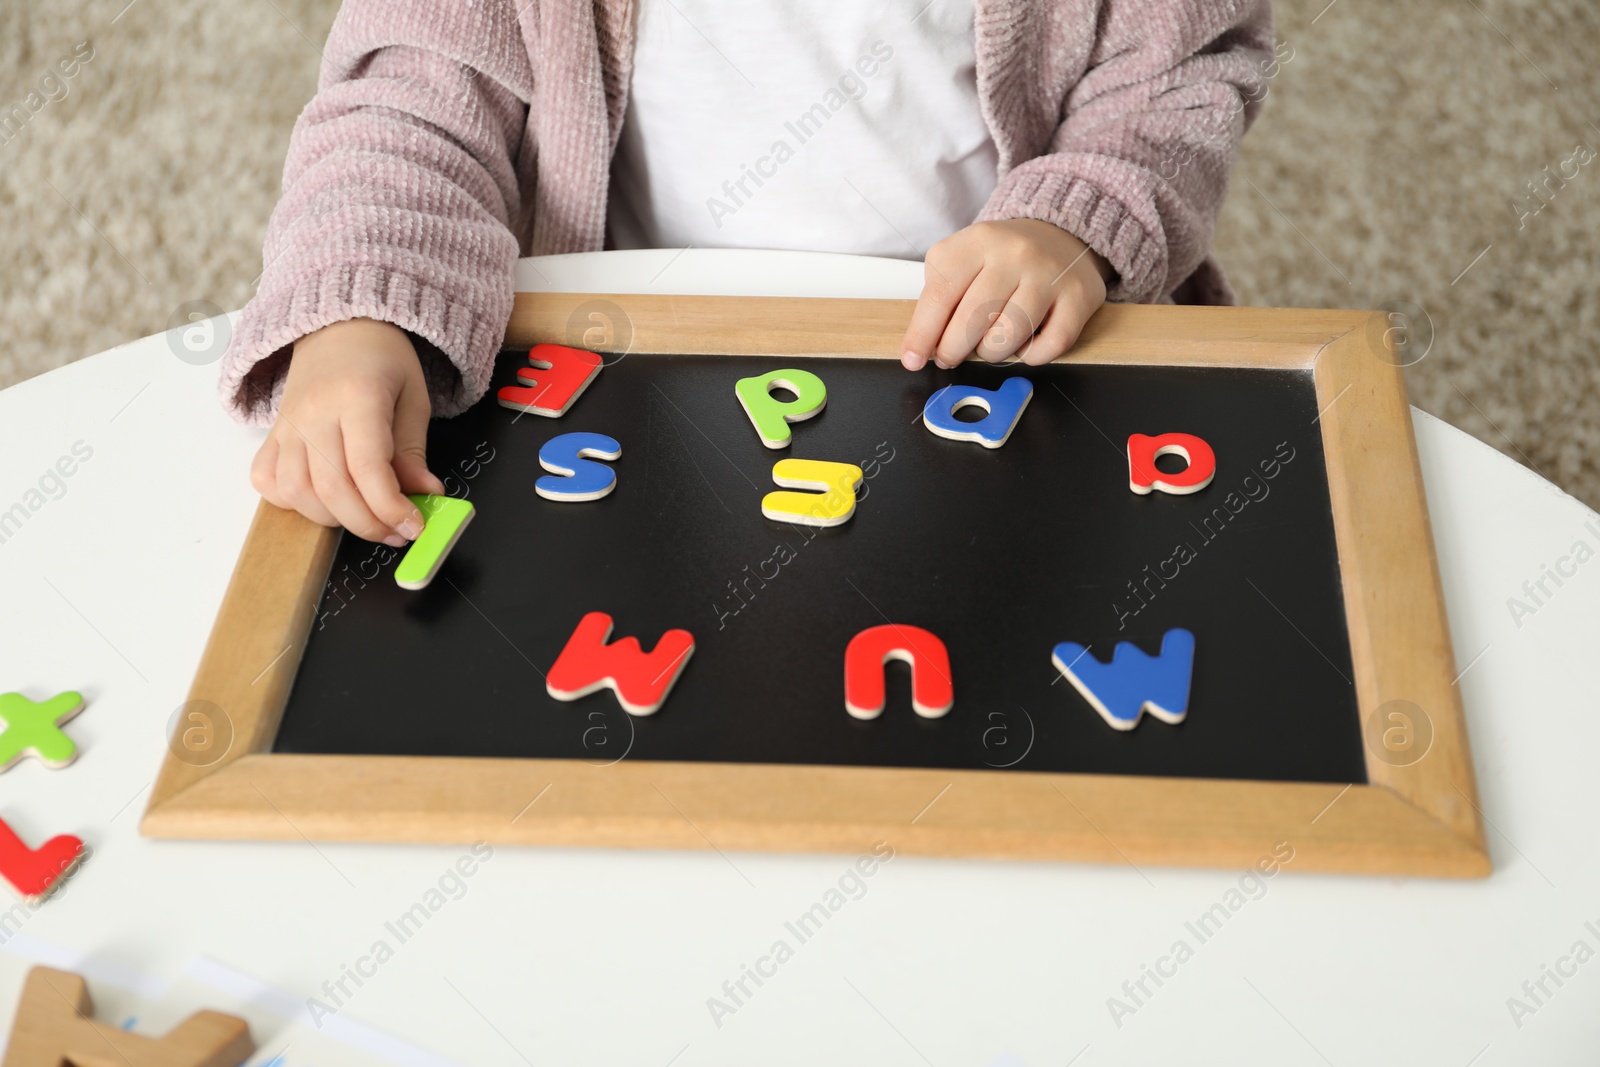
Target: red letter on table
column 641, row 680
column 932, row 693
column 34, row 872
column 1143, row 475
column 557, row 375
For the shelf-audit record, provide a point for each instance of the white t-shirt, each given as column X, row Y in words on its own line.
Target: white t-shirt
column 801, row 124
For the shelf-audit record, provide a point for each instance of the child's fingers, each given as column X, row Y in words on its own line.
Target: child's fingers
column 369, row 445
column 264, row 470
column 294, row 482
column 977, row 312
column 411, row 441
column 947, row 281
column 1058, row 334
column 330, row 477
column 1015, row 326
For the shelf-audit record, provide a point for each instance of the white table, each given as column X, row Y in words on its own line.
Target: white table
column 596, row 956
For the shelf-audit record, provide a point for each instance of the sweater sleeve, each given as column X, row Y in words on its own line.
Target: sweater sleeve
column 400, row 191
column 1138, row 167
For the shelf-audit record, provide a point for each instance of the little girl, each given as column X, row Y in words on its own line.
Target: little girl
column 1043, row 155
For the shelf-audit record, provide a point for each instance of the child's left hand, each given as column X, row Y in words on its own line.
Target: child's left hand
column 998, row 288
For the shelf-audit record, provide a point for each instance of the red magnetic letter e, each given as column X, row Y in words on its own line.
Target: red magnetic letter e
column 640, row 680
column 555, row 376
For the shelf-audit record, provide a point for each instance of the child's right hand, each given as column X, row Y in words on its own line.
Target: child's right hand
column 351, row 435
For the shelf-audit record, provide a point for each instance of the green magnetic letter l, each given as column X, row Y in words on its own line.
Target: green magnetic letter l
column 444, row 517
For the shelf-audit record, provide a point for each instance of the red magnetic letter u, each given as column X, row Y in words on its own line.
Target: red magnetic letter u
column 932, row 693
column 640, row 680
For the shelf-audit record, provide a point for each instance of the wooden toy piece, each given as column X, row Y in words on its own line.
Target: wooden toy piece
column 836, row 482
column 1133, row 682
column 1003, row 406
column 444, row 517
column 556, row 377
column 1143, row 452
column 769, row 415
column 581, row 478
column 54, row 1028
column 29, row 729
column 641, row 680
column 35, row 872
column 932, row 692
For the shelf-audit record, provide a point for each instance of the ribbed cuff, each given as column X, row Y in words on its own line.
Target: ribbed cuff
column 1094, row 217
column 253, row 369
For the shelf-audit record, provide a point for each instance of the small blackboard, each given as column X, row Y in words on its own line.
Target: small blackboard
column 1322, row 714
column 1000, row 552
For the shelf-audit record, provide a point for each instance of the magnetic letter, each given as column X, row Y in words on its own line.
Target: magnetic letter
column 29, row 729
column 443, row 517
column 582, row 479
column 833, row 505
column 770, row 416
column 1143, row 475
column 640, row 680
column 554, row 380
column 35, row 872
column 932, row 692
column 1132, row 683
column 1003, row 405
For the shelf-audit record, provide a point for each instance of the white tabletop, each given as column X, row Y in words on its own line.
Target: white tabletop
column 110, row 585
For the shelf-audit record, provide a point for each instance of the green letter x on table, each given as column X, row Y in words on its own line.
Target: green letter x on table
column 32, row 729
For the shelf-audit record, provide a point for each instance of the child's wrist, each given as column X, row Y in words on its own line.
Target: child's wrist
column 349, row 336
column 357, row 330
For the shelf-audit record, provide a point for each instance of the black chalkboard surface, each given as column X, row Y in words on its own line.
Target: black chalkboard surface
column 1002, row 553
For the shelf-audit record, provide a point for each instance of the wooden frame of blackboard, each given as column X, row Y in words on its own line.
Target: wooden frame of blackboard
column 1415, row 816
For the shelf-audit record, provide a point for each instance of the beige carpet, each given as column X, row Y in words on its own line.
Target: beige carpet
column 1385, row 168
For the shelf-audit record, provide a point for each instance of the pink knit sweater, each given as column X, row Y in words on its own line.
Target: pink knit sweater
column 446, row 139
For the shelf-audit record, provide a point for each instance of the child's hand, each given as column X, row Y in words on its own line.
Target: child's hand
column 1040, row 276
column 351, row 433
